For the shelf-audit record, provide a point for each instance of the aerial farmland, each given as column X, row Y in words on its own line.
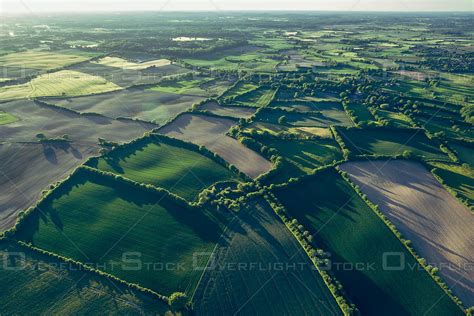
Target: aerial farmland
column 236, row 163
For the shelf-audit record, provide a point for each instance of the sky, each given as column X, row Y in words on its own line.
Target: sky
column 37, row 6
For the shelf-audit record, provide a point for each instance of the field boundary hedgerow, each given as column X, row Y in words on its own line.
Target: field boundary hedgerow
column 433, row 169
column 89, row 269
column 149, row 137
column 406, row 243
column 333, row 285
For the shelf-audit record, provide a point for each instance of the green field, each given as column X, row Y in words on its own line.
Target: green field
column 465, row 153
column 250, row 61
column 36, row 284
column 361, row 112
column 459, row 178
column 179, row 170
column 306, row 155
column 256, row 98
column 260, row 239
column 61, row 83
column 239, row 88
column 395, row 119
column 307, row 105
column 342, row 224
column 191, row 86
column 7, row 118
column 391, row 142
column 323, row 118
column 99, row 221
column 44, row 60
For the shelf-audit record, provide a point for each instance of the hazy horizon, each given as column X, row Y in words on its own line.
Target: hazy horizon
column 45, row 6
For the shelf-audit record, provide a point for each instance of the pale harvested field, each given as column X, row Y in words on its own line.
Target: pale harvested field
column 259, row 268
column 440, row 227
column 54, row 122
column 234, row 111
column 125, row 77
column 147, row 105
column 63, row 82
column 211, row 133
column 28, row 167
column 125, row 64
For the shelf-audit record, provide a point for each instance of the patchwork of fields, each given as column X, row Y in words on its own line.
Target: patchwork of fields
column 211, row 133
column 34, row 283
column 61, row 83
column 439, row 227
column 180, row 170
column 317, row 119
column 29, row 166
column 262, row 246
column 334, row 214
column 146, row 105
column 233, row 111
column 172, row 163
column 91, row 220
column 391, row 143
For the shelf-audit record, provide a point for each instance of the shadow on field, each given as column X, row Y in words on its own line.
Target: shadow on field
column 49, row 151
column 352, row 280
column 200, row 221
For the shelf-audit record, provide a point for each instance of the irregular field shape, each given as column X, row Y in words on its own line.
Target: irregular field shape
column 439, row 226
column 199, row 86
column 211, row 133
column 128, row 77
column 182, row 171
column 125, row 64
column 38, row 284
column 322, row 119
column 316, row 131
column 257, row 98
column 391, row 142
column 307, row 105
column 305, row 154
column 342, row 224
column 43, row 60
column 259, row 242
column 239, row 88
column 27, row 167
column 98, row 221
column 147, row 105
column 234, row 111
column 55, row 122
column 63, row 82
column 397, row 119
column 361, row 112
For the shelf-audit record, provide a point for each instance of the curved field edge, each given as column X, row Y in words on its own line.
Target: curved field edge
column 24, row 231
column 174, row 165
column 211, row 131
column 36, row 282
